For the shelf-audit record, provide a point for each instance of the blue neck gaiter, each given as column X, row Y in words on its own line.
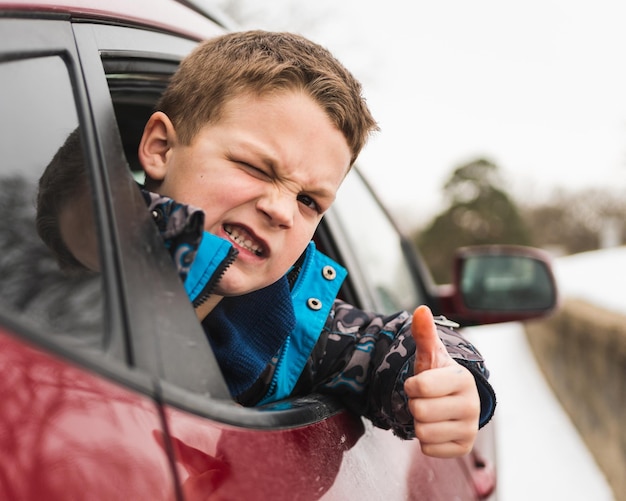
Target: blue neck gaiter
column 246, row 331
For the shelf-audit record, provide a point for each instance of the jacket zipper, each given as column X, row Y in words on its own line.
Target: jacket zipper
column 215, row 278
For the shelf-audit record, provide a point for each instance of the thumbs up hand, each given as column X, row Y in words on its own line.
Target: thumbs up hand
column 443, row 397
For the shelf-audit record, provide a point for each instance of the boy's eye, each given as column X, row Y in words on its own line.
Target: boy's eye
column 310, row 203
column 255, row 170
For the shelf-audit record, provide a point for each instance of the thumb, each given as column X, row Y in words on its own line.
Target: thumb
column 430, row 353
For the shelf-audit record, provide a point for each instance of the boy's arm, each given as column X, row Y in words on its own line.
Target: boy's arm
column 366, row 359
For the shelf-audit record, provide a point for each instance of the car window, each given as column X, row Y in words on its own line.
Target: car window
column 43, row 284
column 376, row 245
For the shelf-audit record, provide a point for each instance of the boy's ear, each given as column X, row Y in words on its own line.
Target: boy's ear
column 157, row 141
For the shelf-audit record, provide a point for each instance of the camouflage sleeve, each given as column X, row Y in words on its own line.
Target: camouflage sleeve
column 365, row 358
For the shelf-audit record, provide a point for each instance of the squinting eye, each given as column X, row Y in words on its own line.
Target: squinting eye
column 309, row 202
column 255, row 170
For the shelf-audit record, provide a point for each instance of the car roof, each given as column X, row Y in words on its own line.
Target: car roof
column 193, row 19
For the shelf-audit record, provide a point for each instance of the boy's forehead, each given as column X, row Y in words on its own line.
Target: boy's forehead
column 239, row 103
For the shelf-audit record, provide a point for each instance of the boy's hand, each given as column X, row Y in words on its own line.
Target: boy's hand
column 442, row 394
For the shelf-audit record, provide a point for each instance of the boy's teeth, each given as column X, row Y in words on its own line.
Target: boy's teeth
column 240, row 239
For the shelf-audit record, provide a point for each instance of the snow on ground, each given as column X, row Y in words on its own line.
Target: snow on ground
column 540, row 453
column 596, row 276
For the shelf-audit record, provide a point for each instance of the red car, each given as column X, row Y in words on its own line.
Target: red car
column 109, row 388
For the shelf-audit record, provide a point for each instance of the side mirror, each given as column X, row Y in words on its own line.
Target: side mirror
column 501, row 283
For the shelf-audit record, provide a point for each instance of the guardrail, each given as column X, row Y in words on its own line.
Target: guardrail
column 582, row 352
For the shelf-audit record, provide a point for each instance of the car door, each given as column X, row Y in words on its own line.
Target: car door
column 78, row 419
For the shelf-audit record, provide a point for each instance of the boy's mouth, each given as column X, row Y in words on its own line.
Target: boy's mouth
column 243, row 239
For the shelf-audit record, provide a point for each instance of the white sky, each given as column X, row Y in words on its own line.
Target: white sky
column 538, row 87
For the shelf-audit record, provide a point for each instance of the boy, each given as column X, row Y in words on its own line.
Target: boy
column 247, row 150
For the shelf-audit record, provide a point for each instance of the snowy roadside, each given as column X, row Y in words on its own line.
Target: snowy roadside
column 596, row 277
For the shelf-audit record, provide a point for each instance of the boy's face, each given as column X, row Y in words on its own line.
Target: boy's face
column 264, row 174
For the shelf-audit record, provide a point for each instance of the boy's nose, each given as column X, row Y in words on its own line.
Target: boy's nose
column 278, row 206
